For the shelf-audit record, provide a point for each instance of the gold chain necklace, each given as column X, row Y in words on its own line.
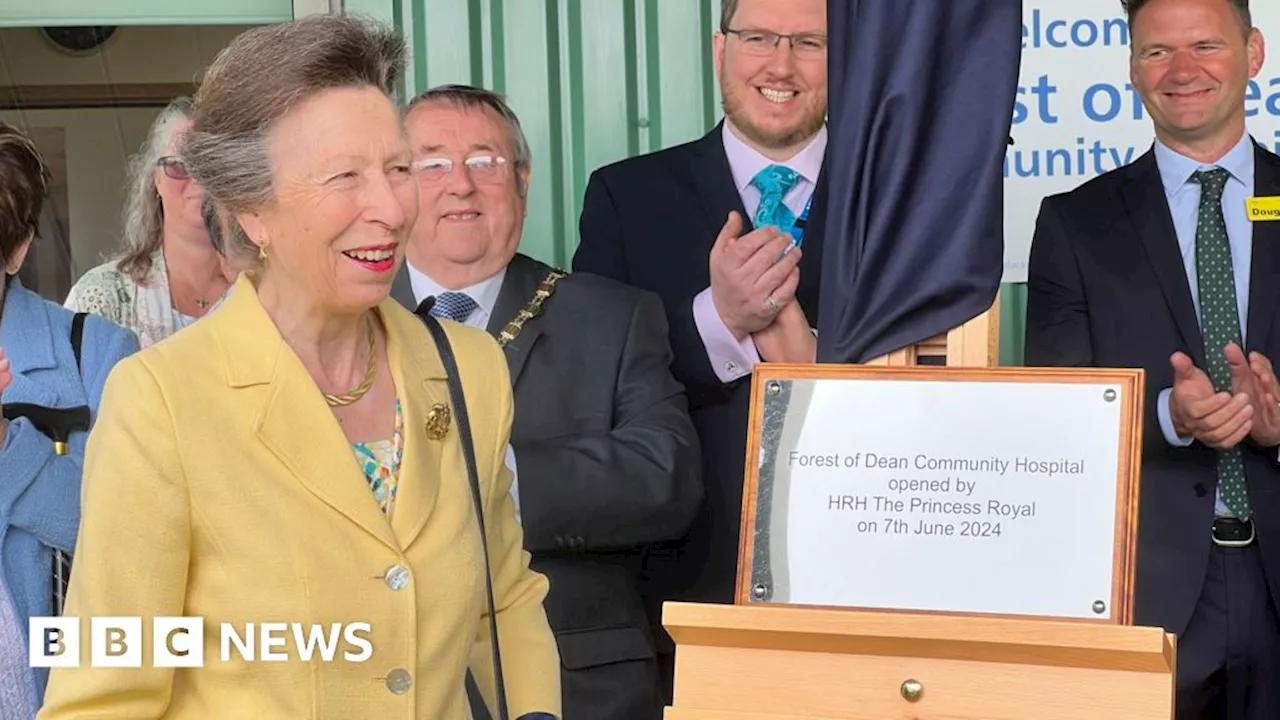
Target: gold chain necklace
column 363, row 388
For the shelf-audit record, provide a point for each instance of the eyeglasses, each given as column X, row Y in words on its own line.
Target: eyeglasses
column 481, row 168
column 762, row 43
column 173, row 167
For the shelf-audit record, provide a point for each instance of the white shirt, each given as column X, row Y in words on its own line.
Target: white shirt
column 745, row 162
column 485, row 293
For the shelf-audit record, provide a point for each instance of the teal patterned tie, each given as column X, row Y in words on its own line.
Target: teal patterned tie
column 1219, row 319
column 774, row 182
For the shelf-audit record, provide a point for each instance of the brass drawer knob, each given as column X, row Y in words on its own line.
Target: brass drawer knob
column 912, row 690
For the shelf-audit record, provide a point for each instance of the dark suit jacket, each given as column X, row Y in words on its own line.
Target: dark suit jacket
column 651, row 221
column 607, row 462
column 1107, row 289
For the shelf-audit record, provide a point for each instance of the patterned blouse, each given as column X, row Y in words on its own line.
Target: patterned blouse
column 146, row 309
column 380, row 462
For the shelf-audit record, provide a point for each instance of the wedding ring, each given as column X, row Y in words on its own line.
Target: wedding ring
column 773, row 304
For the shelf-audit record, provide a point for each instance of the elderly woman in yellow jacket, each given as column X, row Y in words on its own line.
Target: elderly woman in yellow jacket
column 295, row 457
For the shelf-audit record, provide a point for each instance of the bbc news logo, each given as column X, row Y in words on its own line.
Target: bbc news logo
column 179, row 642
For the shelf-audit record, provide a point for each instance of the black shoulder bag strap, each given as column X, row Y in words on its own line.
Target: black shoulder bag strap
column 77, row 337
column 62, row 560
column 469, row 454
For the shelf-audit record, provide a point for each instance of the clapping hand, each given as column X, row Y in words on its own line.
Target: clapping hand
column 753, row 277
column 1217, row 419
column 789, row 339
column 1254, row 377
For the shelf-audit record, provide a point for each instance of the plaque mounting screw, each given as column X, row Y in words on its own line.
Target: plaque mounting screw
column 759, row 591
column 912, row 690
column 1109, row 395
column 1099, row 607
column 774, row 388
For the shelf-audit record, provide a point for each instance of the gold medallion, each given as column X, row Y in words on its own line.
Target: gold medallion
column 438, row 421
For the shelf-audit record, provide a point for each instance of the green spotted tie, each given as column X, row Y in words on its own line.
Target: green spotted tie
column 1219, row 319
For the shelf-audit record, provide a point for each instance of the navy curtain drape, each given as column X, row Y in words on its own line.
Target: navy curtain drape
column 921, row 103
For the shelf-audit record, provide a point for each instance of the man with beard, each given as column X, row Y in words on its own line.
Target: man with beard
column 679, row 222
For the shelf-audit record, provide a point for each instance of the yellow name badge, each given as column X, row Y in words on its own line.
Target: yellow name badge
column 1261, row 209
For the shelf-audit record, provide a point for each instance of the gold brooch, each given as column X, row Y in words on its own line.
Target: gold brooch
column 438, row 421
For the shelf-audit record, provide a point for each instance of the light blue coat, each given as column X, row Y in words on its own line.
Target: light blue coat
column 39, row 490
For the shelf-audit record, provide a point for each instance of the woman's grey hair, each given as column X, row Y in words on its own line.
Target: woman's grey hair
column 254, row 82
column 468, row 96
column 212, row 220
column 143, row 213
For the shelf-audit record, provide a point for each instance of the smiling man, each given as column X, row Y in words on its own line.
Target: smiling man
column 605, row 455
column 1156, row 266
column 704, row 225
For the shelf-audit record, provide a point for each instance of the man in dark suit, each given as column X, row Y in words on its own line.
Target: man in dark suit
column 673, row 221
column 604, row 452
column 1155, row 266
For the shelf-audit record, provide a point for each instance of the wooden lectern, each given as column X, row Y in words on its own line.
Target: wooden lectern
column 783, row 662
column 773, row 662
column 973, row 344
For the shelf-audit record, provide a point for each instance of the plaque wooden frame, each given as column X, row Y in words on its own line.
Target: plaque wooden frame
column 766, row 661
column 1130, row 457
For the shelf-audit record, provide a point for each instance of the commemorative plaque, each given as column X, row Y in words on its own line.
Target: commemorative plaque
column 955, row 490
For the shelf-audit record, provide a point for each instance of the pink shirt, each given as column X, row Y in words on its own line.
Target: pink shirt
column 731, row 358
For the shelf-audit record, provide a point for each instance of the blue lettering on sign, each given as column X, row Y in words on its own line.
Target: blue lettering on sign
column 1084, row 160
column 1270, row 104
column 1043, row 91
column 1040, row 32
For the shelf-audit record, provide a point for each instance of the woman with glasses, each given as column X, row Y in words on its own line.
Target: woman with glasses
column 168, row 274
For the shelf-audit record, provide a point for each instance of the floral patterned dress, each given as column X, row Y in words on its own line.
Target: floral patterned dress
column 380, row 462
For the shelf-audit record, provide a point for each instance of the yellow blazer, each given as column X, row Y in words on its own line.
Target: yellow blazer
column 218, row 484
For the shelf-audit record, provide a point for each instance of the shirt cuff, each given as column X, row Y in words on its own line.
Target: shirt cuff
column 1166, row 421
column 730, row 358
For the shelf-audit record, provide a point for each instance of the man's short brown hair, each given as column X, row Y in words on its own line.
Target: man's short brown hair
column 1131, row 8
column 727, row 10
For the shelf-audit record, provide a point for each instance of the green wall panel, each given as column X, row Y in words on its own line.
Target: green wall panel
column 593, row 81
column 1013, row 323
column 49, row 13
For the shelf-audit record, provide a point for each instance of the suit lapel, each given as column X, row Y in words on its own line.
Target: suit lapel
column 423, row 389
column 402, row 288
column 300, row 430
column 814, row 236
column 521, row 281
column 713, row 184
column 296, row 426
column 26, row 330
column 1148, row 210
column 1266, row 255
